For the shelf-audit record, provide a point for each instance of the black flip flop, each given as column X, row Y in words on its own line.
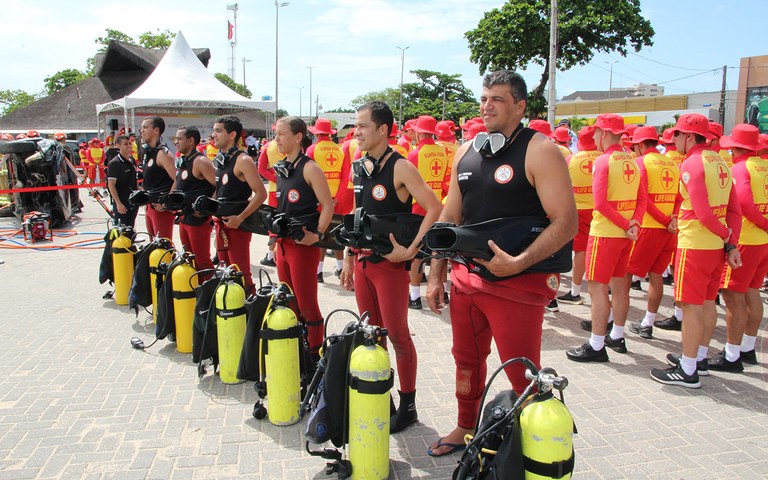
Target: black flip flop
column 452, row 448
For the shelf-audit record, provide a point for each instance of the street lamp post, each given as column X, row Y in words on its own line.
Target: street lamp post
column 245, row 60
column 402, row 71
column 610, row 78
column 300, row 89
column 310, row 92
column 278, row 5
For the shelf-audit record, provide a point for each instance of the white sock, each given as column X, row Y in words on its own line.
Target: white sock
column 447, row 286
column 339, row 264
column 610, row 316
column 415, row 291
column 320, row 267
column 617, row 332
column 748, row 343
column 732, row 352
column 648, row 319
column 702, row 353
column 666, row 273
column 679, row 314
column 597, row 342
column 575, row 290
column 688, row 365
column 270, row 255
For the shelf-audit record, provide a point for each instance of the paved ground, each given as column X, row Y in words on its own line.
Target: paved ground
column 76, row 401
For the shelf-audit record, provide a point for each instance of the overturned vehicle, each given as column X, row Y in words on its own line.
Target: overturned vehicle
column 36, row 163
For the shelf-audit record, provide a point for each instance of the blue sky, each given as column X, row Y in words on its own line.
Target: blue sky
column 352, row 44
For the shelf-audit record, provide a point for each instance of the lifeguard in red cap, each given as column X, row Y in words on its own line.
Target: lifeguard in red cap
column 432, row 163
column 619, row 195
column 406, row 139
column 670, row 150
column 95, row 157
column 709, row 224
column 743, row 305
column 330, row 157
column 580, row 166
column 562, row 138
column 717, row 131
column 446, row 138
column 657, row 239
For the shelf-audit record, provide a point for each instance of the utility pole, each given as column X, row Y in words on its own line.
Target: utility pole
column 443, row 116
column 245, row 60
column 402, row 70
column 278, row 6
column 310, row 93
column 300, row 89
column 721, row 109
column 552, row 63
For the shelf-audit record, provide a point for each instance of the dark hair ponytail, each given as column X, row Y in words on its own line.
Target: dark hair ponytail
column 297, row 125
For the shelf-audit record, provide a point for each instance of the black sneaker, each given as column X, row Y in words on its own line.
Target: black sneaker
column 618, row 346
column 636, row 286
column 676, row 376
column 267, row 262
column 446, row 298
column 749, row 357
column 415, row 304
column 337, row 273
column 320, row 278
column 570, row 299
column 671, row 323
column 701, row 366
column 644, row 332
column 719, row 363
column 585, row 353
column 552, row 307
column 669, row 280
column 587, row 325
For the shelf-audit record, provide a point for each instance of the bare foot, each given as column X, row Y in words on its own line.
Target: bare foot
column 455, row 437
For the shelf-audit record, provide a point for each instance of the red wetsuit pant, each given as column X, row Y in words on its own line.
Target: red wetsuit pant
column 233, row 247
column 511, row 313
column 197, row 239
column 159, row 223
column 297, row 266
column 381, row 289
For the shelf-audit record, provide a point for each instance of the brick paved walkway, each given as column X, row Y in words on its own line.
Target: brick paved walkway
column 76, row 401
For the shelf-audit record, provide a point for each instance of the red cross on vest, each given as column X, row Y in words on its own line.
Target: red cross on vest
column 629, row 172
column 722, row 174
column 436, row 167
column 330, row 159
column 586, row 167
column 667, row 179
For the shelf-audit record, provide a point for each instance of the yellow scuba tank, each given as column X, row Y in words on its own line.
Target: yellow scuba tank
column 546, row 430
column 280, row 344
column 184, row 280
column 230, row 324
column 163, row 254
column 371, row 379
column 122, row 264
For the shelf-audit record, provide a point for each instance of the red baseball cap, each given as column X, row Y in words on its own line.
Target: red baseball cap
column 322, row 127
column 562, row 134
column 643, row 134
column 474, row 129
column 408, row 125
column 693, row 123
column 425, row 124
column 445, row 131
column 541, row 126
column 667, row 137
column 763, row 139
column 744, row 136
column 586, row 138
column 715, row 129
column 610, row 122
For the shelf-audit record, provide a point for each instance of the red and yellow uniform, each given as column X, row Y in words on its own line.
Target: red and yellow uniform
column 580, row 166
column 727, row 157
column 565, row 151
column 750, row 177
column 619, row 198
column 95, row 157
column 655, row 245
column 709, row 208
column 450, row 148
column 675, row 156
column 211, row 150
column 431, row 161
column 345, row 198
column 330, row 157
column 268, row 157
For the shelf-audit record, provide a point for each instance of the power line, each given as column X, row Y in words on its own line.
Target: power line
column 670, row 66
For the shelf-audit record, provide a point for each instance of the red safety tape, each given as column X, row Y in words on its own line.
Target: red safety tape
column 55, row 187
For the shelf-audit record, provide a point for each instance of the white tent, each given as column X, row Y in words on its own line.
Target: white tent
column 181, row 81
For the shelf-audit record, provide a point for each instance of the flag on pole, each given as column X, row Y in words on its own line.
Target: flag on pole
column 231, row 30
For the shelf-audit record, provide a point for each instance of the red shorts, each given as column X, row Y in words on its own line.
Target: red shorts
column 697, row 274
column 580, row 241
column 607, row 258
column 754, row 266
column 652, row 251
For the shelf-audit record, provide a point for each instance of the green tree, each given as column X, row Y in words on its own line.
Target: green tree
column 517, row 35
column 237, row 87
column 159, row 40
column 63, row 79
column 113, row 34
column 11, row 100
column 280, row 113
column 341, row 110
column 390, row 96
